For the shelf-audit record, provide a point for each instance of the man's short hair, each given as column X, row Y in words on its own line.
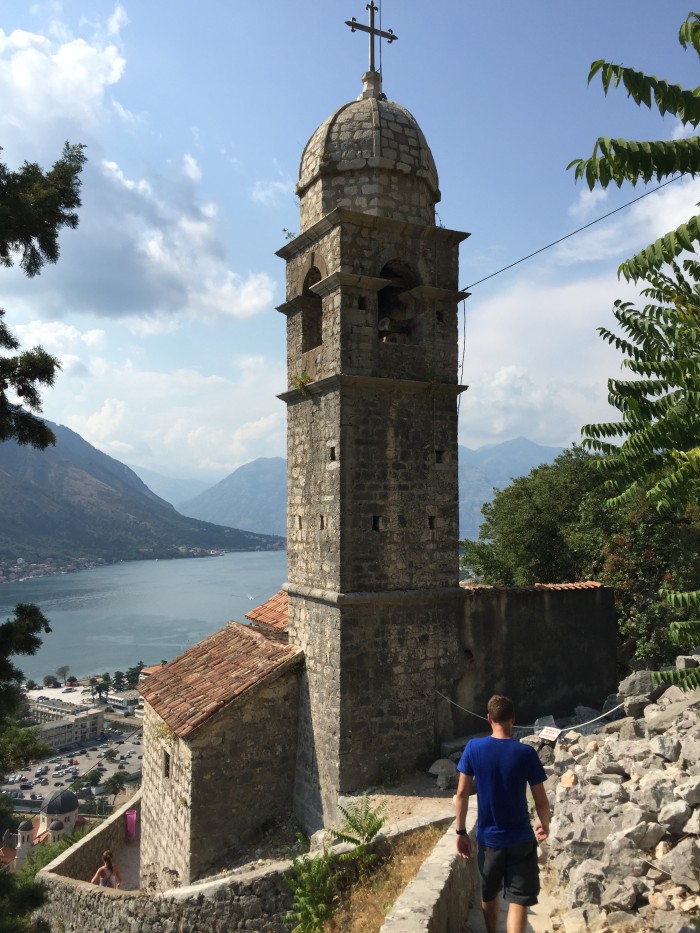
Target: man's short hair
column 501, row 709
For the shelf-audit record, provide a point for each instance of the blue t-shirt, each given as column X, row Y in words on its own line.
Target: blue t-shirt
column 503, row 768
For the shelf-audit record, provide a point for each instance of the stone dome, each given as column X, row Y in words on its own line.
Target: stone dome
column 60, row 801
column 370, row 155
column 26, row 826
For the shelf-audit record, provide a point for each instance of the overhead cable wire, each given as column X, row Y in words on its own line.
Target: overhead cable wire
column 533, row 726
column 573, row 232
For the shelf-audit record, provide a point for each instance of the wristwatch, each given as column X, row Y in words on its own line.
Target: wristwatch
column 461, row 832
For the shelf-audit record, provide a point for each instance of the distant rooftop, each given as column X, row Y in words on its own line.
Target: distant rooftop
column 274, row 612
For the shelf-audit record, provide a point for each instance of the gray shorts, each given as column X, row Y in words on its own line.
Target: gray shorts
column 513, row 870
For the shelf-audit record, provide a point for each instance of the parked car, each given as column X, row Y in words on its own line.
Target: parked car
column 58, row 784
column 26, row 785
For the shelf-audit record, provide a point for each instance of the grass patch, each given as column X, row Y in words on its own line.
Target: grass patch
column 364, row 906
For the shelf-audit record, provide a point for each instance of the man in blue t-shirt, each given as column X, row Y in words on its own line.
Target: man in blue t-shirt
column 500, row 768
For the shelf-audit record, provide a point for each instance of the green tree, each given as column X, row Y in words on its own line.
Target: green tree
column 118, row 681
column 34, row 206
column 115, row 784
column 616, row 161
column 62, row 672
column 524, row 538
column 18, row 635
column 655, row 448
column 133, row 673
column 49, row 680
column 554, row 526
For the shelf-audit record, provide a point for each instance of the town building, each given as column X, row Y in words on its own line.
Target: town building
column 63, row 725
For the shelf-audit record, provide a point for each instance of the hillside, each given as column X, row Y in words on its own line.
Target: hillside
column 72, row 501
column 171, row 488
column 254, row 496
column 493, row 466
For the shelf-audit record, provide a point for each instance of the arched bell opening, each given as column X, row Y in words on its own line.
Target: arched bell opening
column 311, row 313
column 395, row 305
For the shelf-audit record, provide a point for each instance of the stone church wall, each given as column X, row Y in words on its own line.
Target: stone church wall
column 166, row 783
column 243, row 762
column 548, row 649
column 219, row 787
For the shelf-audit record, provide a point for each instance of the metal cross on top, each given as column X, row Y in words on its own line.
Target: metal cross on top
column 372, row 30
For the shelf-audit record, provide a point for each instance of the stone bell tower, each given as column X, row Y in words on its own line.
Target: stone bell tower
column 372, row 503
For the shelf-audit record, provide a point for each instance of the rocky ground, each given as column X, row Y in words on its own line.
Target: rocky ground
column 623, row 847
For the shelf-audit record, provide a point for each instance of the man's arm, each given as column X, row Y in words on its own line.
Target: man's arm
column 542, row 806
column 465, row 789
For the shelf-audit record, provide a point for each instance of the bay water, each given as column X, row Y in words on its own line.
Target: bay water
column 110, row 618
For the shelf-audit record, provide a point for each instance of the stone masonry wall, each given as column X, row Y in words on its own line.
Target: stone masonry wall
column 165, row 801
column 243, row 762
column 378, row 709
column 259, row 902
column 314, row 452
column 224, row 783
column 547, row 649
column 398, row 491
column 82, row 859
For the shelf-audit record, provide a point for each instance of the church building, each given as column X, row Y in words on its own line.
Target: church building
column 345, row 676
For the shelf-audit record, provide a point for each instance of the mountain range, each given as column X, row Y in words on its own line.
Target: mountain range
column 72, row 501
column 253, row 497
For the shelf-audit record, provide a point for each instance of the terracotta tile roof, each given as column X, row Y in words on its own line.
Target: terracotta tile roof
column 274, row 612
column 7, row 855
column 191, row 688
column 147, row 671
column 583, row 585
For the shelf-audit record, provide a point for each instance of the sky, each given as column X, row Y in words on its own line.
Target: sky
column 162, row 305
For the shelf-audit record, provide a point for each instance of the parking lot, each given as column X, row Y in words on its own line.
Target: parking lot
column 33, row 783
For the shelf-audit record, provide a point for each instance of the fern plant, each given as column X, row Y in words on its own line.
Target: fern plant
column 360, row 824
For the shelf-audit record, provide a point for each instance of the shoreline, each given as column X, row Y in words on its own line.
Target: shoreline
column 20, row 570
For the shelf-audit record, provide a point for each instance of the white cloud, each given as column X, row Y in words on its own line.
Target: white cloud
column 271, row 193
column 73, row 77
column 112, row 171
column 588, row 203
column 190, row 168
column 196, row 422
column 117, row 20
column 101, row 425
column 535, row 364
column 57, row 337
column 632, row 229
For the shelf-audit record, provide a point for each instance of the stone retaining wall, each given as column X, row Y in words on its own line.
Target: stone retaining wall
column 82, row 859
column 216, row 907
column 256, row 899
column 438, row 898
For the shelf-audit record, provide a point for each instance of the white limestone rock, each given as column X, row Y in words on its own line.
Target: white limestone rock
column 683, row 864
column 446, row 773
